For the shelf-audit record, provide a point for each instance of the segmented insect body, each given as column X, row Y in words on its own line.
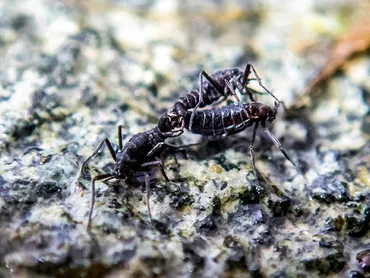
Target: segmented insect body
column 228, row 120
column 231, row 119
column 138, row 150
column 217, row 86
column 212, row 89
column 137, row 154
column 141, row 150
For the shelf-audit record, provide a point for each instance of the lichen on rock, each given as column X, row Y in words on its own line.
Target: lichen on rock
column 70, row 72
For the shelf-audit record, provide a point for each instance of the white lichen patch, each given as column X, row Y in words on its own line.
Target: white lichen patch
column 70, row 72
column 49, row 216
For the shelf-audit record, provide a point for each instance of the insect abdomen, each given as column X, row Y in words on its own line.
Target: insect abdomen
column 219, row 121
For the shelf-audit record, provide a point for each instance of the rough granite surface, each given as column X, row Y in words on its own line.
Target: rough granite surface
column 71, row 71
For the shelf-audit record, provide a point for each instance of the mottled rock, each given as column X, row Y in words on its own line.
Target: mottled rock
column 332, row 263
column 71, row 72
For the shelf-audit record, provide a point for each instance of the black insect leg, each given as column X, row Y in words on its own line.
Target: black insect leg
column 260, row 83
column 169, row 134
column 110, row 148
column 232, row 90
column 159, row 164
column 156, row 163
column 120, row 139
column 96, row 178
column 278, row 145
column 247, row 71
column 201, row 93
column 251, row 149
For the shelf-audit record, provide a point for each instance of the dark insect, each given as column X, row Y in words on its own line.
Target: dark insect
column 231, row 119
column 217, row 86
column 139, row 153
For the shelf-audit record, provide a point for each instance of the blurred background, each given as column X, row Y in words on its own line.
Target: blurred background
column 71, row 71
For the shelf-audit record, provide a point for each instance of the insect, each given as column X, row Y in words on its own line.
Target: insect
column 138, row 153
column 221, row 84
column 231, row 119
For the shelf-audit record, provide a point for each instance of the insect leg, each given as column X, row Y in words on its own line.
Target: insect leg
column 201, row 93
column 181, row 147
column 167, row 135
column 212, row 82
column 220, row 101
column 251, row 150
column 120, row 137
column 100, row 145
column 147, row 181
column 247, row 71
column 156, row 163
column 147, row 189
column 160, row 144
column 152, row 163
column 260, row 83
column 174, row 133
column 96, row 178
column 155, row 148
column 232, row 90
column 199, row 101
column 278, row 145
column 217, row 87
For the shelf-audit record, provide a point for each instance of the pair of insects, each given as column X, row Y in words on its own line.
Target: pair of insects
column 143, row 149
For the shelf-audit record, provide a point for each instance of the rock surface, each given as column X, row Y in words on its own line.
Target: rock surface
column 71, row 71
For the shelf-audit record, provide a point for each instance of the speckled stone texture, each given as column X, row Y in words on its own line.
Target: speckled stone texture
column 71, row 71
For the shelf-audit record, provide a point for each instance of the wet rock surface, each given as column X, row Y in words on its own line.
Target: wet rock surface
column 70, row 72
